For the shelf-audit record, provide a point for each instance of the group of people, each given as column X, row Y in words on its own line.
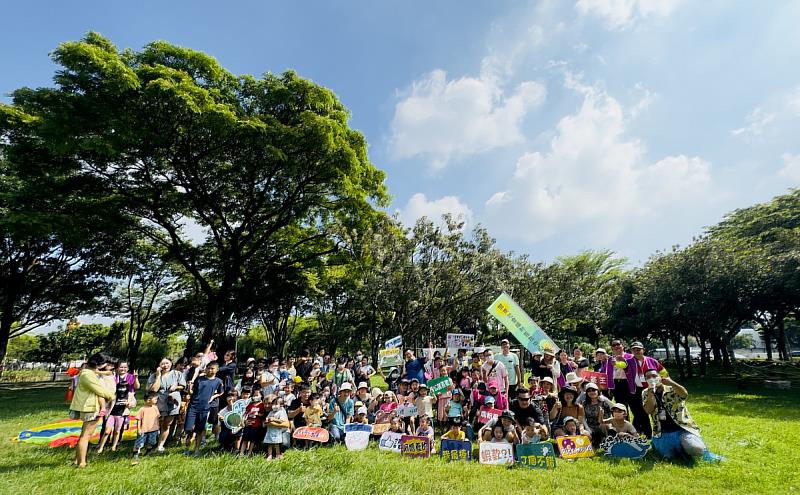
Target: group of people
column 488, row 400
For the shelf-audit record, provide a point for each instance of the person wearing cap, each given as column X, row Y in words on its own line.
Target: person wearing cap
column 523, row 408
column 501, row 402
column 361, row 415
column 574, row 427
column 564, row 407
column 547, row 365
column 510, row 361
column 643, row 365
column 597, row 409
column 340, row 411
column 494, row 370
column 675, row 434
column 620, row 370
column 617, row 425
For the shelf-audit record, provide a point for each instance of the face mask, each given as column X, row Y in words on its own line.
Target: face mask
column 274, row 370
column 275, row 407
column 653, row 382
column 256, row 399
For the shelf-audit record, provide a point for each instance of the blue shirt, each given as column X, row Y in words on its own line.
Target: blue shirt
column 416, row 369
column 345, row 410
column 202, row 391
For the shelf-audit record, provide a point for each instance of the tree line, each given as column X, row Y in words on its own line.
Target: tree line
column 159, row 188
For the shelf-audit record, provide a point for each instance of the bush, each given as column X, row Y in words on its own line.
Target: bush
column 16, row 376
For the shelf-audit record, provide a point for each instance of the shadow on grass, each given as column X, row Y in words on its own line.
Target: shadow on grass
column 22, row 402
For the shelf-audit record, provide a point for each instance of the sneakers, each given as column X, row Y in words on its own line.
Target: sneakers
column 187, row 452
column 135, row 460
column 161, row 449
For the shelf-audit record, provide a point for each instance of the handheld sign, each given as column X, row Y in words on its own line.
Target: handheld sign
column 390, row 357
column 486, row 414
column 415, row 446
column 390, row 442
column 521, row 326
column 380, row 428
column 599, row 379
column 439, row 385
column 627, row 448
column 407, row 410
column 234, row 421
column 356, row 436
column 312, row 433
column 456, row 450
column 574, row 447
column 496, row 453
column 460, row 341
column 394, row 342
column 540, row 455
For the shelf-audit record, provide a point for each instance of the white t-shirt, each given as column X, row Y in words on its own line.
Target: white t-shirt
column 495, row 372
column 510, row 362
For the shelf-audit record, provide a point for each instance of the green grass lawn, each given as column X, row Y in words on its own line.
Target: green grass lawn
column 756, row 432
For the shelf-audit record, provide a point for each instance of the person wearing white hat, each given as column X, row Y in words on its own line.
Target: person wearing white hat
column 340, row 412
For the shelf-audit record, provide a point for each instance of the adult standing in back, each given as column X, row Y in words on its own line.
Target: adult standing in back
column 620, row 370
column 511, row 362
column 643, row 364
column 415, row 366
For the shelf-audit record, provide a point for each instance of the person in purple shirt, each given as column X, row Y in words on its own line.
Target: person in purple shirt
column 620, row 368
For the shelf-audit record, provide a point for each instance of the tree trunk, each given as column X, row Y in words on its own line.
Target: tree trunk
column 689, row 373
column 783, row 348
column 678, row 362
column 703, row 356
column 767, row 334
column 666, row 347
column 726, row 360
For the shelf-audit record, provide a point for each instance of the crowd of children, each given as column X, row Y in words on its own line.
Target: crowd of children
column 273, row 397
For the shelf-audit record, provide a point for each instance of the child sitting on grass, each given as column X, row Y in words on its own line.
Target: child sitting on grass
column 426, row 430
column 147, row 418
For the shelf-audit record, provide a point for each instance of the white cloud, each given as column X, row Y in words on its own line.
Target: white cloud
column 419, row 206
column 622, row 14
column 443, row 118
column 594, row 181
column 791, row 168
column 757, row 122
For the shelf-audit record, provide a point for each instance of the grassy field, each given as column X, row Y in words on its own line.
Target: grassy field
column 755, row 431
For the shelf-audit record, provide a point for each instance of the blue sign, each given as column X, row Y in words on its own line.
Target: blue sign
column 456, row 450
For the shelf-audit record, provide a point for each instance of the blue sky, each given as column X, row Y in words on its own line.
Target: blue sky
column 609, row 124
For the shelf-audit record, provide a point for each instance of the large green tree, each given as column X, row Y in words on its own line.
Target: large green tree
column 215, row 167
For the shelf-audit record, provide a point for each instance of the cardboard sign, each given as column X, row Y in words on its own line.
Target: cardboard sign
column 415, row 446
column 460, row 341
column 486, row 414
column 540, row 455
column 599, row 379
column 312, row 433
column 390, row 442
column 356, row 436
column 407, row 410
column 439, row 385
column 521, row 326
column 496, row 453
column 390, row 357
column 383, row 416
column 394, row 342
column 380, row 428
column 574, row 447
column 626, row 448
column 456, row 450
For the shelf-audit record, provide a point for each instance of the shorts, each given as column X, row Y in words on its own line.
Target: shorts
column 196, row 420
column 115, row 423
column 149, row 438
column 213, row 415
column 83, row 416
column 253, row 433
